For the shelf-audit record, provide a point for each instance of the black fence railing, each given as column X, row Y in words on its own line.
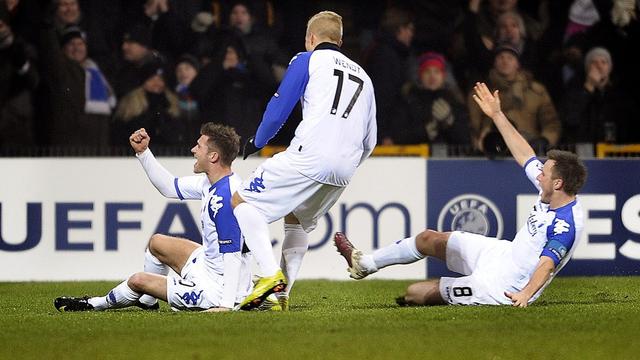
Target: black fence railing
column 87, row 151
column 584, row 150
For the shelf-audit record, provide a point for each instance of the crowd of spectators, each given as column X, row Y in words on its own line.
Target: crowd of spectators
column 85, row 73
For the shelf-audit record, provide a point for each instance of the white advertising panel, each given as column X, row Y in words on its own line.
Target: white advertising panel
column 90, row 218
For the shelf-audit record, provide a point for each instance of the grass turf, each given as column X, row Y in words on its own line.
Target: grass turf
column 576, row 318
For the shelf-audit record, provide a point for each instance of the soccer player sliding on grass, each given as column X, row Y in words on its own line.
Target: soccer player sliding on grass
column 495, row 272
column 214, row 276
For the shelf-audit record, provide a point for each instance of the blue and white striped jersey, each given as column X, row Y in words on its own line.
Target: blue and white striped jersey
column 338, row 128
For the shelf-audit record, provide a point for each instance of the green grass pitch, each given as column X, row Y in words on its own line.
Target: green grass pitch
column 576, row 318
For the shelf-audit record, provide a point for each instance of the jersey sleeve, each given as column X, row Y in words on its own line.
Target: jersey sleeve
column 561, row 235
column 163, row 180
column 189, row 187
column 533, row 168
column 284, row 100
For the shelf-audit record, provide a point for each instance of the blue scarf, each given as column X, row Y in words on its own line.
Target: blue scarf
column 99, row 97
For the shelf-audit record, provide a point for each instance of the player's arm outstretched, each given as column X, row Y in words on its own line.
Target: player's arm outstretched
column 540, row 276
column 490, row 105
column 160, row 177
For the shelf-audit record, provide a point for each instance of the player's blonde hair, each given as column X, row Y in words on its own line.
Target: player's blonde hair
column 326, row 25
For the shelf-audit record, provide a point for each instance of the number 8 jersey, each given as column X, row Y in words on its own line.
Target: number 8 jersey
column 338, row 128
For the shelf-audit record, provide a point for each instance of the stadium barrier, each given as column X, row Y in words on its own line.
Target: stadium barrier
column 604, row 150
column 420, row 150
column 91, row 218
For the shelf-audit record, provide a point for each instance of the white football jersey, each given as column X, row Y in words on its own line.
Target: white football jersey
column 548, row 232
column 338, row 127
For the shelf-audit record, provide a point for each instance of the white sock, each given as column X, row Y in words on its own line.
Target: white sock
column 295, row 245
column 152, row 265
column 256, row 234
column 119, row 297
column 401, row 252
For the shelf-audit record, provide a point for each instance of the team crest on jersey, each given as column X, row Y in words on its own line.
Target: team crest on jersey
column 471, row 213
column 215, row 204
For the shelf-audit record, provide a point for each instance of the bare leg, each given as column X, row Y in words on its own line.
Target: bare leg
column 172, row 251
column 151, row 284
column 424, row 293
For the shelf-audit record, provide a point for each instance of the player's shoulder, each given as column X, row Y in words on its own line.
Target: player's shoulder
column 565, row 220
column 300, row 57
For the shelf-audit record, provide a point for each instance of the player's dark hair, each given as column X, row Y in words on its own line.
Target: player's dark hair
column 569, row 168
column 222, row 139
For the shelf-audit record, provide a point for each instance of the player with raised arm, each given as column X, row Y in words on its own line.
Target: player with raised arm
column 215, row 275
column 336, row 134
column 495, row 272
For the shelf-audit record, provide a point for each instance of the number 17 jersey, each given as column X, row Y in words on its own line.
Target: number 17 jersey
column 338, row 127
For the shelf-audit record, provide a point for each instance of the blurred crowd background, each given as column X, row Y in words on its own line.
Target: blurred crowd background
column 77, row 76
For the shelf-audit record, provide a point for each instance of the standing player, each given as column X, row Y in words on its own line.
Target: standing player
column 213, row 276
column 336, row 134
column 495, row 271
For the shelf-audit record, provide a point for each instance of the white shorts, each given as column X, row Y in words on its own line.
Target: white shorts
column 197, row 288
column 277, row 189
column 483, row 260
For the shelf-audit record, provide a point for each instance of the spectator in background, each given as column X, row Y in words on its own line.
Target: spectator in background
column 97, row 28
column 18, row 79
column 478, row 33
column 187, row 68
column 387, row 63
column 436, row 113
column 568, row 40
column 203, row 35
column 524, row 101
column 163, row 22
column 19, row 16
column 619, row 31
column 80, row 96
column 263, row 55
column 136, row 51
column 229, row 92
column 595, row 109
column 241, row 95
column 509, row 29
column 152, row 106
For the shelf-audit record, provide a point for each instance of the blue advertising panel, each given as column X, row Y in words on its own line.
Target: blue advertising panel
column 490, row 196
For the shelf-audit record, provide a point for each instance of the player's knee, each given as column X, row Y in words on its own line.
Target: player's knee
column 155, row 244
column 425, row 241
column 137, row 281
column 432, row 243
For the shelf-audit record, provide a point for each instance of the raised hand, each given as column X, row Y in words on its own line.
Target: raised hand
column 489, row 103
column 139, row 140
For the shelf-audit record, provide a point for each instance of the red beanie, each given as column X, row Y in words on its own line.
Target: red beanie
column 431, row 58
